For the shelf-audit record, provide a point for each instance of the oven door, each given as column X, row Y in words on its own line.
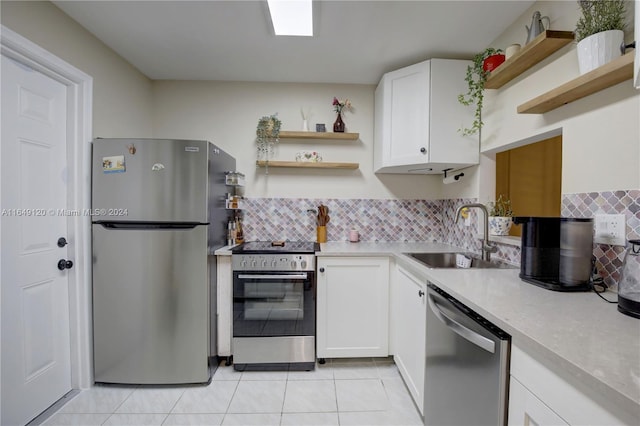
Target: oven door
column 269, row 304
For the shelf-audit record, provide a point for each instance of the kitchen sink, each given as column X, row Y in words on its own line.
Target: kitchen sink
column 448, row 260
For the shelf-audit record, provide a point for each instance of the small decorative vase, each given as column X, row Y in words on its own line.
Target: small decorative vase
column 598, row 49
column 322, row 234
column 499, row 225
column 338, row 126
column 305, row 126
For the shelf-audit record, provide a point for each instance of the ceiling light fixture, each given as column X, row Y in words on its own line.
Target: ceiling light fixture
column 291, row 17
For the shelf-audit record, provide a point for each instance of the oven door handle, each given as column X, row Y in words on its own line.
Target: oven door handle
column 273, row 277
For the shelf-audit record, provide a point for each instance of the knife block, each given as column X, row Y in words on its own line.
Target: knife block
column 321, row 232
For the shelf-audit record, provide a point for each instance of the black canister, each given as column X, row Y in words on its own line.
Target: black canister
column 540, row 248
column 576, row 251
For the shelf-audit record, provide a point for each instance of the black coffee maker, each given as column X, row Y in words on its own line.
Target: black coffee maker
column 556, row 252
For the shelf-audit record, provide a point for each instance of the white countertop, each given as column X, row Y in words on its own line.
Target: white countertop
column 578, row 335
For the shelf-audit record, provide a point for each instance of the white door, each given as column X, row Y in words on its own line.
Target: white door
column 36, row 367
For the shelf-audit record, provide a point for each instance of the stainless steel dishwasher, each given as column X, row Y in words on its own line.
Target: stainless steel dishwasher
column 467, row 365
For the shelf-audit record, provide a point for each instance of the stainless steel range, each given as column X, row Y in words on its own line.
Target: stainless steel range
column 274, row 305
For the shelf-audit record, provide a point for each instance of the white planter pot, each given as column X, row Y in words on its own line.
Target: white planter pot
column 499, row 225
column 598, row 49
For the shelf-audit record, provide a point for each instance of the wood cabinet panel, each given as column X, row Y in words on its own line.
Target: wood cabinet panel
column 531, row 176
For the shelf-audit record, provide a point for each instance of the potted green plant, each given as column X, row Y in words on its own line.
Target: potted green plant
column 500, row 216
column 599, row 32
column 476, row 77
column 267, row 134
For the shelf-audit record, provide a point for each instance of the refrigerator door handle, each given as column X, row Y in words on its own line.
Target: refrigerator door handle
column 470, row 335
column 148, row 225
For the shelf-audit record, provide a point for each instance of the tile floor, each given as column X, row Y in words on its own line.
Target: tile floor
column 363, row 391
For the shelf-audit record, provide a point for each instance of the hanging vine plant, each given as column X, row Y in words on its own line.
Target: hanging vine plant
column 267, row 134
column 476, row 77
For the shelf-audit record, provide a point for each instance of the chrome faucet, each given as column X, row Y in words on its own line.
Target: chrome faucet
column 487, row 247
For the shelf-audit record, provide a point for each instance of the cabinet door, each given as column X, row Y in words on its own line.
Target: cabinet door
column 224, row 289
column 525, row 409
column 447, row 145
column 405, row 121
column 352, row 307
column 410, row 311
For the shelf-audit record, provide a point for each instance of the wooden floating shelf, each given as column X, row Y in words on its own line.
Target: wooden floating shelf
column 533, row 52
column 616, row 71
column 318, row 135
column 309, row 165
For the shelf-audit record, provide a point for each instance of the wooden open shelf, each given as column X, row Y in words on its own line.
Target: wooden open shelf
column 533, row 52
column 309, row 165
column 319, row 135
column 616, row 71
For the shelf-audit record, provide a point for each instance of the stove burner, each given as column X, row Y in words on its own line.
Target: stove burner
column 265, row 247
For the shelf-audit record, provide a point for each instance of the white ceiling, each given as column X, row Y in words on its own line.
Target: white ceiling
column 355, row 41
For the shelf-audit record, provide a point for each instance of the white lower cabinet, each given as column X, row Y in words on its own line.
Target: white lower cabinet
column 526, row 409
column 224, row 307
column 352, row 307
column 408, row 330
column 541, row 394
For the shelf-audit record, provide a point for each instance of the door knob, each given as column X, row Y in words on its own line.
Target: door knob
column 321, row 269
column 65, row 264
column 423, row 150
column 420, row 293
column 62, row 241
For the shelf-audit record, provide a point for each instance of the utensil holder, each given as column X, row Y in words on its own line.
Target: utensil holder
column 322, row 234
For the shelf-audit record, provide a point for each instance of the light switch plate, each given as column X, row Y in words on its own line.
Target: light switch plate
column 610, row 229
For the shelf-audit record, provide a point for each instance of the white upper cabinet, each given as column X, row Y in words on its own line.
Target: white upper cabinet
column 417, row 117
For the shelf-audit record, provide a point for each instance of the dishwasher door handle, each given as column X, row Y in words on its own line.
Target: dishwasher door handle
column 470, row 335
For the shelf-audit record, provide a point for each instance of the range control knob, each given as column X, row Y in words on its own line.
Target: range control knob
column 293, row 264
column 264, row 263
column 274, row 263
column 243, row 263
column 303, row 264
column 253, row 263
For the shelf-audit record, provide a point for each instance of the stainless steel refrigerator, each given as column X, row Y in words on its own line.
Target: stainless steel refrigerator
column 157, row 209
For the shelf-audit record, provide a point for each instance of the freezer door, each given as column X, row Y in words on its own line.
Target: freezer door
column 150, row 180
column 150, row 305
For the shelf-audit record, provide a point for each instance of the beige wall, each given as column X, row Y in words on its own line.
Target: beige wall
column 227, row 113
column 122, row 96
column 601, row 133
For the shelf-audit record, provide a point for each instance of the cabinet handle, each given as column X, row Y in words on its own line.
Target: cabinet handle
column 420, row 293
column 423, row 150
column 321, row 269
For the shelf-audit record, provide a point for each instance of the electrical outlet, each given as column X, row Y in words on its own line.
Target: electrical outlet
column 610, row 229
